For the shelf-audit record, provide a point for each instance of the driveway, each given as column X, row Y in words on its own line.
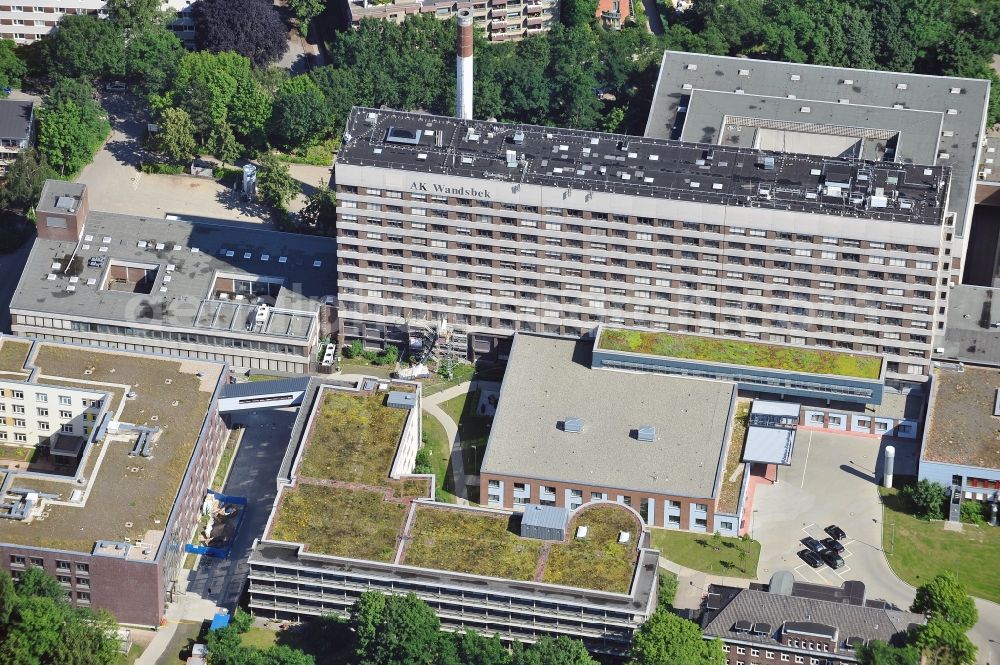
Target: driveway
column 253, row 475
column 832, row 480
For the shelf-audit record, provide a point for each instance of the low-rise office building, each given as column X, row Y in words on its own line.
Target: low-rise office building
column 108, row 456
column 794, row 622
column 349, row 518
column 255, row 299
column 565, row 434
column 500, row 20
column 25, row 24
column 959, row 447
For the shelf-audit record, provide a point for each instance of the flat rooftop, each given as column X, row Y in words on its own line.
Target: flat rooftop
column 488, row 152
column 344, row 504
column 989, row 161
column 961, row 427
column 549, row 380
column 190, row 272
column 809, row 360
column 15, row 119
column 125, row 497
column 917, row 119
column 970, row 335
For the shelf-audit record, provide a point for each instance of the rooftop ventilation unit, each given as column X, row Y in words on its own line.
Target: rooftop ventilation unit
column 518, row 138
column 66, row 203
column 573, row 424
column 511, row 159
column 768, row 163
column 646, row 433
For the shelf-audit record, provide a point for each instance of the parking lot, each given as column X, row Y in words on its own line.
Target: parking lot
column 832, row 480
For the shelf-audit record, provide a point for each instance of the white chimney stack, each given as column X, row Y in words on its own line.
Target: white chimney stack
column 463, row 97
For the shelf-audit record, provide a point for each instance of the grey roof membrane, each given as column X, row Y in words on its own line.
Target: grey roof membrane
column 548, row 379
column 499, row 153
column 970, row 335
column 15, row 119
column 261, row 388
column 181, row 291
column 684, row 108
column 755, row 607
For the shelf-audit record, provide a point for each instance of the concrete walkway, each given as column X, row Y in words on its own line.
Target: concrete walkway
column 692, row 585
column 432, row 405
column 186, row 608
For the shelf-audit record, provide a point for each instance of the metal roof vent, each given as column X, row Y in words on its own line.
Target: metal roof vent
column 519, row 138
column 573, row 424
column 646, row 433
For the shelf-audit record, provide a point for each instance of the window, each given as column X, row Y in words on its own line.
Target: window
column 18, row 408
column 43, row 412
column 65, row 414
column 20, row 436
column 43, row 425
column 62, row 565
column 83, row 568
column 18, row 422
column 41, row 397
column 754, row 652
column 83, row 596
column 17, row 394
column 67, row 428
column 65, row 400
column 741, row 650
column 17, row 560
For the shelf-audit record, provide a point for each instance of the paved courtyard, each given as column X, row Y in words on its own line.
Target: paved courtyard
column 115, row 183
column 832, row 480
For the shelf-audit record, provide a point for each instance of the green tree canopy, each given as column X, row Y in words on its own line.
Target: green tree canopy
column 84, row 46
column 25, row 177
column 300, row 114
column 878, row 652
column 12, row 68
column 667, row 639
column 72, row 126
column 152, row 58
column 941, row 642
column 275, row 184
column 176, row 136
column 553, row 651
column 945, row 598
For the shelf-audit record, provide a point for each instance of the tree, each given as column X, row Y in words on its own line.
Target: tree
column 176, row 136
column 306, row 11
column 12, row 68
column 577, row 12
column 667, row 639
column 877, row 652
column 36, row 583
column 223, row 145
column 553, row 651
column 927, row 498
column 368, row 611
column 972, row 512
column 70, row 134
column 945, row 598
column 300, row 112
column 474, row 648
column 320, row 211
column 406, row 635
column 24, row 181
column 252, row 28
column 666, row 590
column 135, row 17
column 8, row 597
column 84, row 46
column 276, row 185
column 152, row 58
column 941, row 642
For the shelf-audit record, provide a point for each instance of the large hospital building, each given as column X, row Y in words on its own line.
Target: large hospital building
column 771, row 201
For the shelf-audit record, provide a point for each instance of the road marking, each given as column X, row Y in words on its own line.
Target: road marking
column 806, row 465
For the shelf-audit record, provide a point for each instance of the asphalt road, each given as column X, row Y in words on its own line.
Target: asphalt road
column 253, row 476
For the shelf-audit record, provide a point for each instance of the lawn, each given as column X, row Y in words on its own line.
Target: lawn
column 19, row 453
column 470, row 542
column 259, row 638
column 597, row 561
column 729, row 497
column 226, row 459
column 340, row 522
column 473, row 429
column 918, row 549
column 179, row 647
column 741, row 352
column 360, row 366
column 354, row 438
column 436, row 439
column 128, row 658
column 696, row 550
column 460, row 373
column 13, row 354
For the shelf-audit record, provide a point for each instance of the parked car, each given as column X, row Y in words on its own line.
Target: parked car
column 834, row 545
column 835, row 532
column 832, row 559
column 115, row 86
column 811, row 558
column 813, row 544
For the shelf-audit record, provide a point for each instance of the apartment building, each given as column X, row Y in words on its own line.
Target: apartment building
column 253, row 299
column 786, row 621
column 28, row 22
column 350, row 461
column 492, row 228
column 500, row 20
column 106, row 458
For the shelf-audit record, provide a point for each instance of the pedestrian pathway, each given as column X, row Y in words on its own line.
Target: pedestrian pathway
column 692, row 585
column 432, row 405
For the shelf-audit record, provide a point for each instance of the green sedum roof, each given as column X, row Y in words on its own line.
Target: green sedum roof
column 741, row 352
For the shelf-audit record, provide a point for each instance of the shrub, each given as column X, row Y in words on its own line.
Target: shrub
column 354, row 350
column 423, row 464
column 927, row 498
column 388, row 357
column 667, row 590
column 972, row 512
